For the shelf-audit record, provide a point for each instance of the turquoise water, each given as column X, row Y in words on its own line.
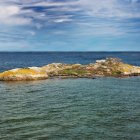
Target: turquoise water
column 71, row 109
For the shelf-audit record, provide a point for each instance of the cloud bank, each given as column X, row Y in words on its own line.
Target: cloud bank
column 112, row 8
column 69, row 22
column 24, row 12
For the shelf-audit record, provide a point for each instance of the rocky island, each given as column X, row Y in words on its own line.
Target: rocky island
column 110, row 67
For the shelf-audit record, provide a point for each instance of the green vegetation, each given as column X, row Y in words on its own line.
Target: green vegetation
column 75, row 72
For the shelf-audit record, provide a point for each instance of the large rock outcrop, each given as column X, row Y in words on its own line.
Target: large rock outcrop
column 108, row 67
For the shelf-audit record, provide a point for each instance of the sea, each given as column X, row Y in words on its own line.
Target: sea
column 69, row 109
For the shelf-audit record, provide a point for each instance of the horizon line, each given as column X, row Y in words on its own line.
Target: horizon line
column 65, row 51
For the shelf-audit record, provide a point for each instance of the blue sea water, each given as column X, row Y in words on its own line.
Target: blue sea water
column 69, row 109
column 10, row 60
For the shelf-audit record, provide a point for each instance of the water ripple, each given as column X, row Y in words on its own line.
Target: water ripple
column 105, row 108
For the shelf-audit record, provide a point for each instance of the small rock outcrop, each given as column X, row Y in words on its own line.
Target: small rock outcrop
column 110, row 67
column 23, row 74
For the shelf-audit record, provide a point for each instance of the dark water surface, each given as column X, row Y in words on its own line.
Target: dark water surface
column 26, row 59
column 69, row 109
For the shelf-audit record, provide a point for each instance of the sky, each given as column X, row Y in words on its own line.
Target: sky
column 69, row 25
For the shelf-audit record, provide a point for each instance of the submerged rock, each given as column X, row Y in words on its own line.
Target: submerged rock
column 108, row 67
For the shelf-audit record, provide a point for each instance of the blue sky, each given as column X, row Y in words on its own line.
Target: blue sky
column 69, row 25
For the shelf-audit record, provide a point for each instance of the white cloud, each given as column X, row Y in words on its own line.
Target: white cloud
column 62, row 20
column 110, row 8
column 45, row 3
column 8, row 11
column 13, row 14
column 22, row 14
column 33, row 33
column 10, row 15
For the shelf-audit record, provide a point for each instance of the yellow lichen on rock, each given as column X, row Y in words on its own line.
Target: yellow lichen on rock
column 125, row 68
column 23, row 74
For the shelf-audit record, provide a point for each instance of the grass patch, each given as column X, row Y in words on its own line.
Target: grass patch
column 75, row 72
